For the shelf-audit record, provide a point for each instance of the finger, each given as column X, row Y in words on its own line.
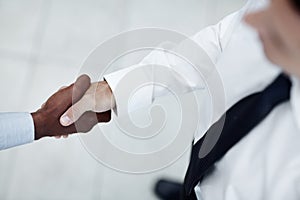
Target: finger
column 81, row 85
column 75, row 112
column 104, row 116
column 65, row 136
column 63, row 87
column 75, row 92
column 87, row 121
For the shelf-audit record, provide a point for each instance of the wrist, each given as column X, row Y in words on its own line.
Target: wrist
column 111, row 95
column 38, row 121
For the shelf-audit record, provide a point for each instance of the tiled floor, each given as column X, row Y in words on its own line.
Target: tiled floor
column 42, row 44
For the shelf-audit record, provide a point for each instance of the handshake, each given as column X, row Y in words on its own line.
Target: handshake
column 81, row 103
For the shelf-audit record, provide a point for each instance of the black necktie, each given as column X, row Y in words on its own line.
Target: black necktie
column 240, row 120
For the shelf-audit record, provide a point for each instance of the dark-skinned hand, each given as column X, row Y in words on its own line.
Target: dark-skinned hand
column 46, row 119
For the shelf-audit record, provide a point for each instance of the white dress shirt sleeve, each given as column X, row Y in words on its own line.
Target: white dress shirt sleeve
column 15, row 129
column 212, row 40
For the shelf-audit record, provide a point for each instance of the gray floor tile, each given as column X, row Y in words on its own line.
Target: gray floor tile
column 45, row 79
column 53, row 169
column 19, row 23
column 186, row 17
column 76, row 27
column 13, row 76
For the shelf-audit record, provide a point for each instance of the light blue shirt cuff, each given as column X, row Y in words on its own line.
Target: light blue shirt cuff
column 15, row 129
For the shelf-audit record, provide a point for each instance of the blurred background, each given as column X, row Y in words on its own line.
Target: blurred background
column 42, row 46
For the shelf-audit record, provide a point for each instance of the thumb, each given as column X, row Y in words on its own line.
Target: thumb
column 75, row 112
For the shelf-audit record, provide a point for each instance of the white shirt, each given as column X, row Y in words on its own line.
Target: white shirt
column 15, row 129
column 217, row 41
column 263, row 165
column 266, row 163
